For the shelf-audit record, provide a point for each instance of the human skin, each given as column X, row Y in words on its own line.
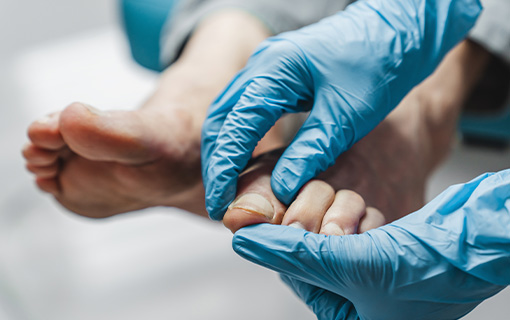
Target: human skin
column 99, row 164
column 382, row 178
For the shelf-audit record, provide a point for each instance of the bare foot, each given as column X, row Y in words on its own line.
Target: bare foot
column 99, row 164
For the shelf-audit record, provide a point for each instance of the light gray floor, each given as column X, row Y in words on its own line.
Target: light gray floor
column 159, row 264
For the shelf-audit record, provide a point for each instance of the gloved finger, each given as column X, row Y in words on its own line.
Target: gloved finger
column 330, row 262
column 259, row 107
column 310, row 206
column 325, row 304
column 321, row 139
column 344, row 215
column 217, row 113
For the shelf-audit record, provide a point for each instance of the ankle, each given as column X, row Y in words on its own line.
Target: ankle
column 228, row 37
column 442, row 96
column 184, row 95
column 437, row 116
column 217, row 50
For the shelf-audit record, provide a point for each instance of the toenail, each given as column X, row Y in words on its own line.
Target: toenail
column 332, row 229
column 255, row 203
column 297, row 225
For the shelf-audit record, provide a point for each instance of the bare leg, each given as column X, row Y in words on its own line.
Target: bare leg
column 383, row 176
column 102, row 163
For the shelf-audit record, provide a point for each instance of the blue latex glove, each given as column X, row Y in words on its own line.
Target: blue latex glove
column 355, row 66
column 437, row 263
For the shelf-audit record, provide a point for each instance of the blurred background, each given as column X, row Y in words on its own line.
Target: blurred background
column 157, row 264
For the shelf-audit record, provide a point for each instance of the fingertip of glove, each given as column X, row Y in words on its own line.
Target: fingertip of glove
column 267, row 236
column 243, row 234
column 250, row 234
column 215, row 208
column 262, row 244
column 215, row 212
column 237, row 243
column 240, row 240
column 218, row 195
column 215, row 216
column 281, row 189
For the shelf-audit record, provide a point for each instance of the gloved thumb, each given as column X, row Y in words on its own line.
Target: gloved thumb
column 333, row 263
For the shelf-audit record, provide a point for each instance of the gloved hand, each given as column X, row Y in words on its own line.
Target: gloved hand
column 355, row 66
column 437, row 263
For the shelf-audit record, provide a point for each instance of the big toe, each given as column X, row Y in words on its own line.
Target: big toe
column 120, row 136
column 255, row 202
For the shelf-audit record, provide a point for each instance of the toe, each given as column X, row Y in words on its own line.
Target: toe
column 312, row 202
column 248, row 209
column 120, row 136
column 372, row 219
column 255, row 202
column 44, row 133
column 36, row 156
column 44, row 172
column 344, row 215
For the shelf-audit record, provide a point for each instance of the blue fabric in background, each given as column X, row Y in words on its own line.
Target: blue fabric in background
column 490, row 127
column 143, row 21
